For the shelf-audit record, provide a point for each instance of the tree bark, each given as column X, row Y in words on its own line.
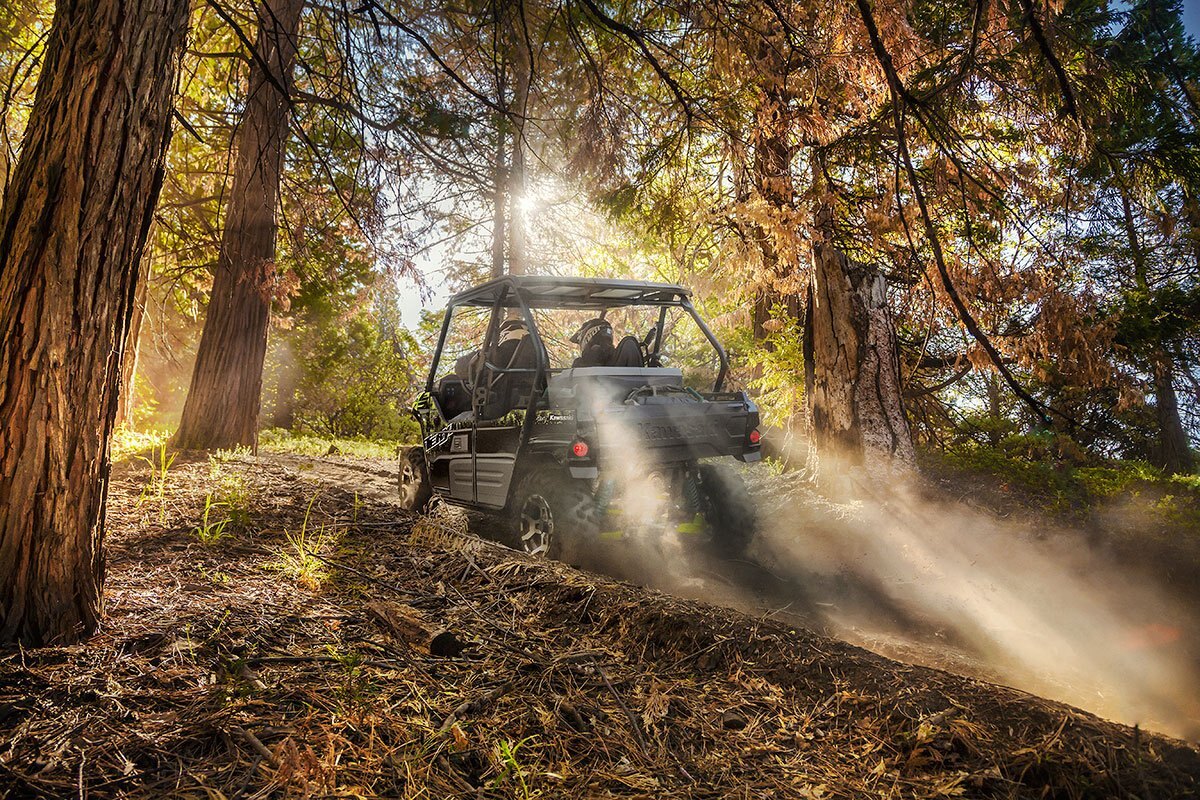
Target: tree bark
column 1174, row 451
column 222, row 406
column 852, row 371
column 771, row 177
column 995, row 411
column 72, row 229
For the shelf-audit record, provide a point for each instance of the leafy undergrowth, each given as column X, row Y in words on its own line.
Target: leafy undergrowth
column 277, row 440
column 129, row 444
column 1063, row 483
column 322, row 646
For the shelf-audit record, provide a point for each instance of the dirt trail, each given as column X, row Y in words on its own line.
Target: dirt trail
column 372, row 478
column 324, row 645
column 1136, row 669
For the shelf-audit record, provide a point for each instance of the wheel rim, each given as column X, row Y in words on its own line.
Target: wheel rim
column 537, row 526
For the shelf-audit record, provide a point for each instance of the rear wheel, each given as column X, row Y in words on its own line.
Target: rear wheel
column 554, row 515
column 728, row 509
column 415, row 491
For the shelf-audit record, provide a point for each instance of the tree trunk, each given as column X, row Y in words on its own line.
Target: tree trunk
column 1174, row 449
column 518, row 224
column 771, row 175
column 1173, row 454
column 852, row 371
column 129, row 366
column 499, row 195
column 222, row 406
column 284, row 413
column 518, row 251
column 72, row 228
column 995, row 411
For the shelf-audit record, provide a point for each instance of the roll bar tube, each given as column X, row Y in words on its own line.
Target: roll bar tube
column 712, row 339
column 437, row 352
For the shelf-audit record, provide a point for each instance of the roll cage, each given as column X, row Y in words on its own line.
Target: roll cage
column 527, row 292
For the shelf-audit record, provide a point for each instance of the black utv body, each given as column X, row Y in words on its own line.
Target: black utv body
column 570, row 453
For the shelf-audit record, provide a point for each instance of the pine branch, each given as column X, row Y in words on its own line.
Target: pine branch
column 898, row 93
column 1060, row 74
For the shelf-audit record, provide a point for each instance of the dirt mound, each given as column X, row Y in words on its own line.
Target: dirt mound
column 317, row 645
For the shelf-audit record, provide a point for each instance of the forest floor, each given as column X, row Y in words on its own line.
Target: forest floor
column 321, row 643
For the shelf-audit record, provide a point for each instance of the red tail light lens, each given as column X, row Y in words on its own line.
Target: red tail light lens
column 579, row 449
column 755, row 436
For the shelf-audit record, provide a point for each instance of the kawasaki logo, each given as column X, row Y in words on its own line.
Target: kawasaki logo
column 686, row 429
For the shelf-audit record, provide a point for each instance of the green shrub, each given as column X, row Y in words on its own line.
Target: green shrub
column 1038, row 466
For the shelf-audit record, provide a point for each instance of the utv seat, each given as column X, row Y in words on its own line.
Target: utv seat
column 628, row 354
column 453, row 395
column 507, row 390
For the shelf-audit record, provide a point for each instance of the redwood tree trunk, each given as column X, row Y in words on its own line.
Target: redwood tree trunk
column 222, row 406
column 851, row 364
column 72, row 228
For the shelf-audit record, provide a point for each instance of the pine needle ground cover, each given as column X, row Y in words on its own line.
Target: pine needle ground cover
column 323, row 645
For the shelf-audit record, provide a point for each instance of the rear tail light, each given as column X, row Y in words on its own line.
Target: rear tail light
column 755, row 436
column 579, row 449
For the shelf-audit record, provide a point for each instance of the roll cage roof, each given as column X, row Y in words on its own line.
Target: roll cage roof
column 528, row 292
column 546, row 291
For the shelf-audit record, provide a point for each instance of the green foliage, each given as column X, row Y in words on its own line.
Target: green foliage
column 232, row 490
column 300, row 559
column 355, row 381
column 156, row 485
column 510, row 766
column 210, row 531
column 777, row 370
column 127, row 442
column 1034, row 466
column 1146, row 318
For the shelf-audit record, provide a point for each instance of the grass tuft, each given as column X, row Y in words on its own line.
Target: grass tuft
column 210, row 531
column 298, row 559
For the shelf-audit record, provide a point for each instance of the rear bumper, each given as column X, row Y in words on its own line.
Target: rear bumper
column 668, row 433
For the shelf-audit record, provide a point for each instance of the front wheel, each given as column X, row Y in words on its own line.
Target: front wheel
column 553, row 515
column 415, row 491
column 728, row 509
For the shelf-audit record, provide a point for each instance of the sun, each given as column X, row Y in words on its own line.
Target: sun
column 529, row 202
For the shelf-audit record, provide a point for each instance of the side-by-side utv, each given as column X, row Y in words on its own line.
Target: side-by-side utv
column 582, row 409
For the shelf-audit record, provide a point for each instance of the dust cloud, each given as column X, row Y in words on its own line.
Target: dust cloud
column 937, row 582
